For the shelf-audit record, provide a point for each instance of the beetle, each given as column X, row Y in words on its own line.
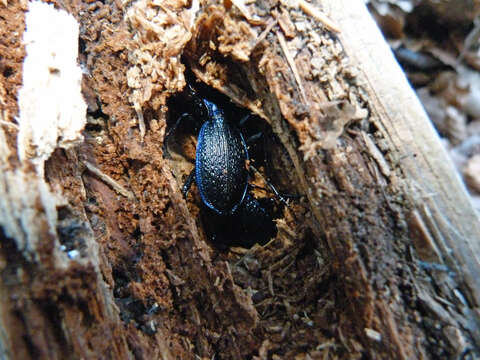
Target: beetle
column 221, row 173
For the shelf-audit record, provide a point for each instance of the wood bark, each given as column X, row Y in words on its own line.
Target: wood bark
column 102, row 257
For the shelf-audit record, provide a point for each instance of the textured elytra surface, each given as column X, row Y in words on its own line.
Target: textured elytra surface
column 221, row 168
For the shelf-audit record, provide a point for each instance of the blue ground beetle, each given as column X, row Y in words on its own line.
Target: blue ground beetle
column 221, row 173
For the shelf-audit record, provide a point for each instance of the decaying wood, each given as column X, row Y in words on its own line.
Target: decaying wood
column 429, row 178
column 102, row 257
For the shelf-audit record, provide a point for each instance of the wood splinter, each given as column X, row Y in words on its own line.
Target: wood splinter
column 109, row 181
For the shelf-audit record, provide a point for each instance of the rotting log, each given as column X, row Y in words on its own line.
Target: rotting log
column 102, row 257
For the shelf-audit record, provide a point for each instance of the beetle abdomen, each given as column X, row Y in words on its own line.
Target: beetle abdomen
column 221, row 172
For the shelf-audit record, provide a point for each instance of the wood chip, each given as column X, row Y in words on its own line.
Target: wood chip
column 109, row 181
column 291, row 63
column 265, row 32
column 309, row 9
column 286, row 24
column 240, row 4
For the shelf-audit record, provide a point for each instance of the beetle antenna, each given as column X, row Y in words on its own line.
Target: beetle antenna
column 166, row 153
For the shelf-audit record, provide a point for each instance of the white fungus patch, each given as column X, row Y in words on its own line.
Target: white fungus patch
column 52, row 109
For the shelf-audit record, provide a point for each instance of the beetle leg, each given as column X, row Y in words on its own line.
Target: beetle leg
column 188, row 183
column 243, row 120
column 170, row 132
column 280, row 196
column 254, row 137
